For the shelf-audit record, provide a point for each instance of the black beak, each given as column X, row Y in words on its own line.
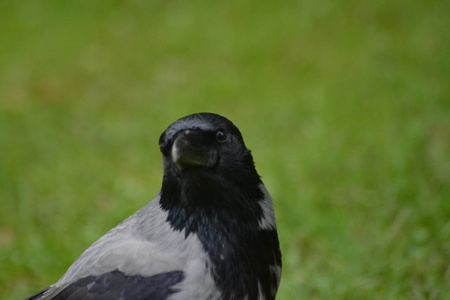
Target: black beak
column 190, row 149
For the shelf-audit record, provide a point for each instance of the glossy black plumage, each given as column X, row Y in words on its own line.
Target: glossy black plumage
column 226, row 198
column 116, row 285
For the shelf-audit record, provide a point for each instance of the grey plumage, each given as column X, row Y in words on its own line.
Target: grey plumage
column 210, row 233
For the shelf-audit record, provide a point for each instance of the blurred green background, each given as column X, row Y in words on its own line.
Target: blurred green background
column 345, row 105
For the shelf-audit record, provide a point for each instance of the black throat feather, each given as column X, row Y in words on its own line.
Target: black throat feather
column 224, row 211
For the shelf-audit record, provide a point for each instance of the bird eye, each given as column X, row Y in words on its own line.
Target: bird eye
column 221, row 136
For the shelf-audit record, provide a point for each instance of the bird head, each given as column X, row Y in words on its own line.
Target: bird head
column 203, row 142
column 206, row 161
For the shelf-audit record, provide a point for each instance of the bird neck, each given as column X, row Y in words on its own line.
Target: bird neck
column 225, row 214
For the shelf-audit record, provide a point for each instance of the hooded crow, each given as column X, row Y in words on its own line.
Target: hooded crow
column 210, row 233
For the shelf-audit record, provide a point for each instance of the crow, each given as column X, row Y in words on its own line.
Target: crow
column 209, row 233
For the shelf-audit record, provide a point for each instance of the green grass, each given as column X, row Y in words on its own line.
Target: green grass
column 345, row 105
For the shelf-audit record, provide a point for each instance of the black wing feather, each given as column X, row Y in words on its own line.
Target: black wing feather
column 117, row 285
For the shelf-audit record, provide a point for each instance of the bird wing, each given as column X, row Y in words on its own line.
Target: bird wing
column 143, row 251
column 117, row 285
